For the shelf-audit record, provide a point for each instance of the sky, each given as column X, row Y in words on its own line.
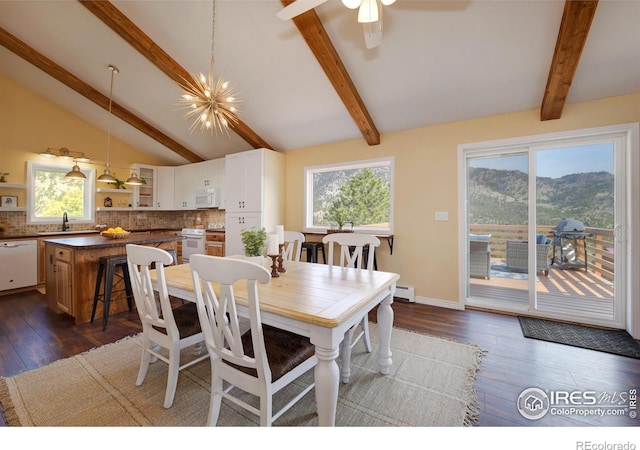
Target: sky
column 556, row 162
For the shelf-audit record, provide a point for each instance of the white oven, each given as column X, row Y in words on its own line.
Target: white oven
column 193, row 243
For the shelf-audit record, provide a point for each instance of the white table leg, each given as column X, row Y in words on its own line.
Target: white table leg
column 385, row 324
column 326, row 376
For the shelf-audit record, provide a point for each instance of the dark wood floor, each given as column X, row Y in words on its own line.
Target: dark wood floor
column 31, row 336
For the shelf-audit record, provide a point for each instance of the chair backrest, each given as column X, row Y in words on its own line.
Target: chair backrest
column 292, row 245
column 351, row 245
column 218, row 313
column 153, row 312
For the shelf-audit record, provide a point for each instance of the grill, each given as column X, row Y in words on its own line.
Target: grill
column 569, row 226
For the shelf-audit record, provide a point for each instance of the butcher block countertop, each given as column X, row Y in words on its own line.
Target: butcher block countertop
column 104, row 242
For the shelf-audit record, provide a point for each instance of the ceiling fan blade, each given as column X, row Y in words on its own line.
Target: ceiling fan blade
column 373, row 31
column 298, row 7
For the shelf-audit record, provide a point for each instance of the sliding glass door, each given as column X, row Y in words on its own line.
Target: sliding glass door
column 542, row 228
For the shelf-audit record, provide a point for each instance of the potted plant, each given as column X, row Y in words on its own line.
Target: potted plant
column 254, row 242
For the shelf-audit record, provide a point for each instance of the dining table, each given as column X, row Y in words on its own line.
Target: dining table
column 319, row 301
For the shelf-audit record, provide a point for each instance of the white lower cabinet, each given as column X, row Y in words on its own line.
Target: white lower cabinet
column 234, row 224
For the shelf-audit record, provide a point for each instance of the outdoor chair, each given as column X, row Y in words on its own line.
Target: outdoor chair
column 518, row 255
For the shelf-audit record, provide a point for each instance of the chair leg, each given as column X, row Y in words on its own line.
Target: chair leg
column 266, row 410
column 127, row 286
column 96, row 294
column 172, row 377
column 365, row 329
column 345, row 350
column 144, row 362
column 216, row 398
column 108, row 288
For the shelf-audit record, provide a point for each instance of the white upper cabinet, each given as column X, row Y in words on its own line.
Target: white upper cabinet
column 144, row 197
column 244, row 181
column 191, row 178
column 165, row 193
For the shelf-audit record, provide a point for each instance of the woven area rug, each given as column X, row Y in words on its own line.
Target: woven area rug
column 430, row 384
column 618, row 342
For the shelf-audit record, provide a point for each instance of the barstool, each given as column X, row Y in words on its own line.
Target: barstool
column 108, row 265
column 312, row 249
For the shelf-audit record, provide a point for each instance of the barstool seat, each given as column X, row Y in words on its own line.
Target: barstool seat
column 107, row 267
column 312, row 249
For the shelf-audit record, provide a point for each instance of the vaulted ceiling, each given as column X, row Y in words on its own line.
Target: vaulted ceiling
column 311, row 80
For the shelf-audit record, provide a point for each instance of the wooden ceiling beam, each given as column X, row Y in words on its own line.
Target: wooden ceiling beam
column 315, row 35
column 574, row 28
column 131, row 33
column 36, row 58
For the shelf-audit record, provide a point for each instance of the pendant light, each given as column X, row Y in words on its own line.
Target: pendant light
column 75, row 173
column 107, row 177
column 133, row 180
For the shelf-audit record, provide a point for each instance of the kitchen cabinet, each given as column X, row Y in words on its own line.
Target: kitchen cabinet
column 234, row 224
column 214, row 241
column 254, row 189
column 59, row 279
column 165, row 181
column 144, row 197
column 190, row 178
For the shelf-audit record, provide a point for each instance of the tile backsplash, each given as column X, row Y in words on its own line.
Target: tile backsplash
column 15, row 222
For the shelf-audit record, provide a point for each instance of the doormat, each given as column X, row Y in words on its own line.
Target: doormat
column 617, row 342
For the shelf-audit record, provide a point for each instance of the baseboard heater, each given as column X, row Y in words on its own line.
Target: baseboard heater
column 406, row 292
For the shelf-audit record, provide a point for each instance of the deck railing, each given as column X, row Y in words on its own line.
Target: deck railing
column 600, row 253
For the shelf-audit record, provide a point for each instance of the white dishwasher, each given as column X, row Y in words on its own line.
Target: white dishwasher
column 18, row 264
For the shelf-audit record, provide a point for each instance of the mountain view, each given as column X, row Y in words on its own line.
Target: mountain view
column 500, row 197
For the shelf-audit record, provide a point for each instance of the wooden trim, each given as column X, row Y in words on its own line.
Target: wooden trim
column 130, row 32
column 31, row 55
column 574, row 28
column 315, row 35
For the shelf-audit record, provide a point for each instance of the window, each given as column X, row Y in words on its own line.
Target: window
column 50, row 194
column 359, row 192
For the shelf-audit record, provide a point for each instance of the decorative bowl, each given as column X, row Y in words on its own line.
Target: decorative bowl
column 121, row 235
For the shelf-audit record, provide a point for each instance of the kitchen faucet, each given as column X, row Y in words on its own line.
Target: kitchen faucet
column 65, row 222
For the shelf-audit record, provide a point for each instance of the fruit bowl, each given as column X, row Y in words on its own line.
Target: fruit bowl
column 115, row 235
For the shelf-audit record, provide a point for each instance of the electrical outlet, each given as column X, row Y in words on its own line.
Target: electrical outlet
column 442, row 216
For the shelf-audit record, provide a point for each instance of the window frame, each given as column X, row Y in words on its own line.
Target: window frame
column 88, row 200
column 309, row 171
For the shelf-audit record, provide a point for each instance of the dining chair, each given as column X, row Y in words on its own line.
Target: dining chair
column 260, row 361
column 163, row 327
column 293, row 241
column 352, row 247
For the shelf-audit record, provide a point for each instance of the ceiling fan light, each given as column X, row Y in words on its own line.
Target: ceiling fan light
column 368, row 11
column 352, row 4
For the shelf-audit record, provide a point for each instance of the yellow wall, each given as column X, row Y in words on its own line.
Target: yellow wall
column 425, row 252
column 30, row 124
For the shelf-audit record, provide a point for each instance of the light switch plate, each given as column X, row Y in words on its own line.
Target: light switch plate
column 442, row 216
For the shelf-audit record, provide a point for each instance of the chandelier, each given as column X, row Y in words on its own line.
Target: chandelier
column 209, row 102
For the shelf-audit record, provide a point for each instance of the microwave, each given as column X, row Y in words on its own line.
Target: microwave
column 208, row 198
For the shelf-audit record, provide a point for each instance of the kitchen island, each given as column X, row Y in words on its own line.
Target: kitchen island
column 72, row 267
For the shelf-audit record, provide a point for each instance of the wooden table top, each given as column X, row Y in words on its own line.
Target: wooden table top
column 319, row 294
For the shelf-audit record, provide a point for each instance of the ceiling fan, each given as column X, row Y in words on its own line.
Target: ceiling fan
column 369, row 15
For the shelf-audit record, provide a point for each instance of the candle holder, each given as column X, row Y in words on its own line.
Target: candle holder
column 274, row 266
column 281, row 268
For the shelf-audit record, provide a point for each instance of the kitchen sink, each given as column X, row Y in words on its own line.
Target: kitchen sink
column 53, row 233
